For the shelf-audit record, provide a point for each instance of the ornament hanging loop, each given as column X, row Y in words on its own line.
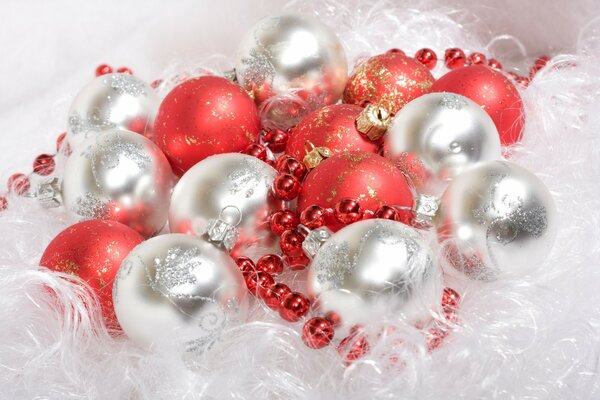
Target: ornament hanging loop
column 373, row 122
column 222, row 231
column 314, row 155
column 48, row 194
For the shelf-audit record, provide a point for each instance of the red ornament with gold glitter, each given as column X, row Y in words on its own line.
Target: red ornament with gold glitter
column 494, row 92
column 93, row 251
column 333, row 127
column 389, row 80
column 202, row 117
column 365, row 177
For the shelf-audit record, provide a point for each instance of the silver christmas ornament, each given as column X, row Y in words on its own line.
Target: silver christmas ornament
column 370, row 267
column 224, row 196
column 178, row 288
column 497, row 219
column 112, row 101
column 439, row 135
column 121, row 176
column 292, row 54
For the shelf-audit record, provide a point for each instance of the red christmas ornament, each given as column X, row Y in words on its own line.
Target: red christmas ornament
column 333, row 127
column 427, row 57
column 368, row 178
column 317, row 333
column 294, row 306
column 389, row 80
column 202, row 117
column 493, row 92
column 93, row 251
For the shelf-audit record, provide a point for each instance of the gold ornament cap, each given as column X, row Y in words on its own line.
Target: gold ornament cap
column 373, row 122
column 314, row 155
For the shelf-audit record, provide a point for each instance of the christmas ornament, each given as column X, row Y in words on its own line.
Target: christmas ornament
column 120, row 176
column 93, row 251
column 178, row 288
column 493, row 92
column 389, row 80
column 369, row 265
column 293, row 56
column 333, row 127
column 439, row 135
column 366, row 177
column 230, row 188
column 112, row 101
column 202, row 117
column 496, row 219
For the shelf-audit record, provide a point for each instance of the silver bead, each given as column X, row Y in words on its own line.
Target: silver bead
column 291, row 53
column 121, row 176
column 231, row 187
column 439, row 135
column 369, row 266
column 178, row 288
column 497, row 219
column 112, row 101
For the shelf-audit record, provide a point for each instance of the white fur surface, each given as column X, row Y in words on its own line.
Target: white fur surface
column 535, row 338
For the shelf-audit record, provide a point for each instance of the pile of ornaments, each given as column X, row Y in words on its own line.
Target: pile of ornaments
column 287, row 168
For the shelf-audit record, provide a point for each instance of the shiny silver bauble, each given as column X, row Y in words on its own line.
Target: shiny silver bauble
column 112, row 101
column 120, row 176
column 439, row 135
column 178, row 288
column 495, row 220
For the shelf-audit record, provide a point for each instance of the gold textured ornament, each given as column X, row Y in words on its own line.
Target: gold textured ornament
column 373, row 122
column 314, row 155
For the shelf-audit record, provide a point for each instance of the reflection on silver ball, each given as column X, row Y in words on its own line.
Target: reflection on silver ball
column 112, row 101
column 120, row 176
column 439, row 135
column 497, row 219
column 372, row 264
column 178, row 288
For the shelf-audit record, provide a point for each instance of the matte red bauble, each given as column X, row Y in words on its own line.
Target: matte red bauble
column 202, row 117
column 389, row 80
column 493, row 92
column 333, row 127
column 93, row 251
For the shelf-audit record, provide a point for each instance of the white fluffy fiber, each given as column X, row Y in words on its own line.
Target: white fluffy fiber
column 532, row 338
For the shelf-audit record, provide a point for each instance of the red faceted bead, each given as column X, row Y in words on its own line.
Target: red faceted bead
column 44, row 164
column 522, row 80
column 258, row 283
column 539, row 63
column 427, row 57
column 353, row 347
column 3, row 203
column 286, row 187
column 18, row 183
column 103, row 69
column 282, row 221
column 270, row 263
column 275, row 294
column 313, row 217
column 125, row 70
column 334, row 318
column 317, row 333
column 348, row 211
column 293, row 167
column 294, row 306
column 59, row 140
column 296, row 262
column 291, row 242
column 387, row 212
column 476, row 58
column 156, row 83
column 455, row 58
column 245, row 264
column 436, row 336
column 395, row 51
column 276, row 140
column 495, row 64
column 450, row 300
column 257, row 150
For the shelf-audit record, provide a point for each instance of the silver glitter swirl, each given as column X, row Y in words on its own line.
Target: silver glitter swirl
column 337, row 267
column 452, row 101
column 125, row 84
column 89, row 206
column 107, row 152
column 97, row 123
column 260, row 68
column 246, row 178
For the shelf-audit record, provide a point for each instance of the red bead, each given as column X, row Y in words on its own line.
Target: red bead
column 282, row 221
column 523, row 81
column 455, row 58
column 291, row 242
column 258, row 283
column 353, row 347
column 347, row 211
column 334, row 318
column 292, row 167
column 276, row 140
column 156, row 83
column 103, row 69
column 296, row 262
column 294, row 306
column 275, row 294
column 539, row 63
column 427, row 57
column 245, row 264
column 494, row 64
column 257, row 150
column 395, row 51
column 476, row 58
column 450, row 300
column 436, row 336
column 286, row 187
column 18, row 183
column 44, row 164
column 125, row 70
column 3, row 203
column 313, row 217
column 270, row 263
column 317, row 333
column 387, row 212
column 60, row 140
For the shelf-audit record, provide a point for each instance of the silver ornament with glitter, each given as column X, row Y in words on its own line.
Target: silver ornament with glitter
column 229, row 189
column 439, row 135
column 495, row 220
column 370, row 267
column 178, row 288
column 121, row 176
column 292, row 54
column 112, row 101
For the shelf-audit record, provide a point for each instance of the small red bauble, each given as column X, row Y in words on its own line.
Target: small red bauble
column 476, row 59
column 281, row 221
column 294, row 306
column 347, row 211
column 103, row 69
column 493, row 92
column 3, row 203
column 313, row 217
column 450, row 301
column 93, row 251
column 389, row 80
column 275, row 294
column 286, row 187
column 291, row 242
column 455, row 58
column 202, row 117
column 257, row 150
column 296, row 262
column 539, row 63
column 59, row 140
column 44, row 164
column 276, row 140
column 125, row 70
column 494, row 64
column 18, row 183
column 270, row 263
column 353, row 347
column 427, row 57
column 258, row 283
column 290, row 165
column 245, row 264
column 317, row 333
column 387, row 212
column 333, row 127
